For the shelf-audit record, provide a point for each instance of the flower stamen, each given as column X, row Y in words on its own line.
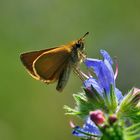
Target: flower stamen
column 117, row 68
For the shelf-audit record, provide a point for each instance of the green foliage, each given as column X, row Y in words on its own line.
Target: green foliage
column 91, row 100
column 83, row 106
column 128, row 108
column 112, row 132
column 132, row 132
column 85, row 103
column 113, row 100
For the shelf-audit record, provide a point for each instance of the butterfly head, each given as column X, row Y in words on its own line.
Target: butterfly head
column 80, row 42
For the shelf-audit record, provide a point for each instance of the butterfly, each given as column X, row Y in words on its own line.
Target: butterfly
column 55, row 64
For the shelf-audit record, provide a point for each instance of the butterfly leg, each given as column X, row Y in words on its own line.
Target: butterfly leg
column 80, row 74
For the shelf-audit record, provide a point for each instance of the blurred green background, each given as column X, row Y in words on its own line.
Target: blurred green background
column 30, row 110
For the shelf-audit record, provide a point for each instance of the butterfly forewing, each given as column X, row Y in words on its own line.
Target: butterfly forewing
column 49, row 65
column 28, row 59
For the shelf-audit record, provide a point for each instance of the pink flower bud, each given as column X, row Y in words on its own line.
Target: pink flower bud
column 97, row 117
column 135, row 91
column 112, row 118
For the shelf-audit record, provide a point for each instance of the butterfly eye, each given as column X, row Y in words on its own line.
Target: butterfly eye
column 78, row 45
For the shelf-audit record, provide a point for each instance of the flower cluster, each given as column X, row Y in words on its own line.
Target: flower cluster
column 106, row 113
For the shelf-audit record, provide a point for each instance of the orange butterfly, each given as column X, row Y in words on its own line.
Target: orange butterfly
column 55, row 64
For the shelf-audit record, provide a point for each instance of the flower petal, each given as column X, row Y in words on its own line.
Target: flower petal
column 105, row 76
column 118, row 94
column 90, row 63
column 90, row 126
column 78, row 132
column 89, row 130
column 106, row 56
column 93, row 82
column 103, row 71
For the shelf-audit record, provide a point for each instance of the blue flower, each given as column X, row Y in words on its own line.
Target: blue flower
column 89, row 130
column 105, row 77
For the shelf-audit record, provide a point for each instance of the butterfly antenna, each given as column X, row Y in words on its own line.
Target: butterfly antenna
column 84, row 35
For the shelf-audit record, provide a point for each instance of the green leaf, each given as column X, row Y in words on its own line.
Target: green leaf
column 132, row 132
column 113, row 99
column 70, row 111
